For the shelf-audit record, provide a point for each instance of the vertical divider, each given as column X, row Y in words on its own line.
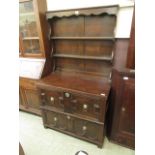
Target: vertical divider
column 84, row 52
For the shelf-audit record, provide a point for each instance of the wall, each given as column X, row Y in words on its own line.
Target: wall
column 124, row 14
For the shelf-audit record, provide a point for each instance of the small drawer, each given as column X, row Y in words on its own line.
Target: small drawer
column 88, row 106
column 52, row 98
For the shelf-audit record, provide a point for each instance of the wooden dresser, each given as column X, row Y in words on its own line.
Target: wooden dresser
column 74, row 97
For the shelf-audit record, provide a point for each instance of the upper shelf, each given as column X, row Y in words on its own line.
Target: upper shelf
column 111, row 10
column 26, row 14
column 30, row 38
column 85, row 38
column 107, row 58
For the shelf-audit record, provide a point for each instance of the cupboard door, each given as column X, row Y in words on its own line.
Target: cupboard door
column 32, row 98
column 127, row 111
column 122, row 109
column 21, row 102
column 28, row 28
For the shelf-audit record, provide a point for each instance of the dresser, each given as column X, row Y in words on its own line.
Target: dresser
column 74, row 97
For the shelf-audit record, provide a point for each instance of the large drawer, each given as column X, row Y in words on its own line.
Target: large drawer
column 72, row 125
column 88, row 106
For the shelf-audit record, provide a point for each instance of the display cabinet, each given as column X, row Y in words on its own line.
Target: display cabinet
column 34, row 51
column 33, row 28
column 74, row 97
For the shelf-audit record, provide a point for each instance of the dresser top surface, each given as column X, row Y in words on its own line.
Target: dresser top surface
column 75, row 82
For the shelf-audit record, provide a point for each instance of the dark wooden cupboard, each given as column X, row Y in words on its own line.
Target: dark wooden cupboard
column 29, row 96
column 121, row 113
column 122, row 108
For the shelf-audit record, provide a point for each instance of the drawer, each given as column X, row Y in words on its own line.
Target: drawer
column 89, row 106
column 75, row 103
column 52, row 98
column 80, row 128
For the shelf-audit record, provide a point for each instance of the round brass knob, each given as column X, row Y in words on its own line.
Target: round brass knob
column 42, row 94
column 85, row 106
column 125, row 78
column 55, row 119
column 123, row 109
column 52, row 98
column 67, row 95
column 84, row 128
column 68, row 117
column 102, row 94
column 96, row 106
column 77, row 12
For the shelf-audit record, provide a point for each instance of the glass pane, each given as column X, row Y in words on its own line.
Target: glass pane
column 27, row 26
column 25, row 7
column 31, row 46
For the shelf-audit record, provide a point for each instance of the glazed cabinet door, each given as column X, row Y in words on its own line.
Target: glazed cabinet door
column 29, row 37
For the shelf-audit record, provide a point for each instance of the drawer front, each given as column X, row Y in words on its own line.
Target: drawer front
column 87, row 106
column 81, row 128
column 76, row 104
column 52, row 98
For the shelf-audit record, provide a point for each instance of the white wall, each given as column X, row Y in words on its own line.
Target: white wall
column 124, row 14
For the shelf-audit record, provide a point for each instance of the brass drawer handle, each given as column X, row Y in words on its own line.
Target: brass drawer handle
column 84, row 128
column 42, row 94
column 52, row 99
column 67, row 95
column 68, row 117
column 55, row 119
column 76, row 12
column 125, row 78
column 96, row 106
column 85, row 106
column 123, row 109
column 103, row 94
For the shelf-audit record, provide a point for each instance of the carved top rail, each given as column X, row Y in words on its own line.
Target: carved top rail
column 111, row 10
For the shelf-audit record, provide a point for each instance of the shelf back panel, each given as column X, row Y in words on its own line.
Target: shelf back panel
column 88, row 66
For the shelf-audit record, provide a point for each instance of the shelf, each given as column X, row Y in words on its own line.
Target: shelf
column 30, row 38
column 26, row 14
column 108, row 58
column 85, row 38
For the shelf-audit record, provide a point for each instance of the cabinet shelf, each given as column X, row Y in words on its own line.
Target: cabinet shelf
column 107, row 58
column 30, row 38
column 26, row 14
column 85, row 38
